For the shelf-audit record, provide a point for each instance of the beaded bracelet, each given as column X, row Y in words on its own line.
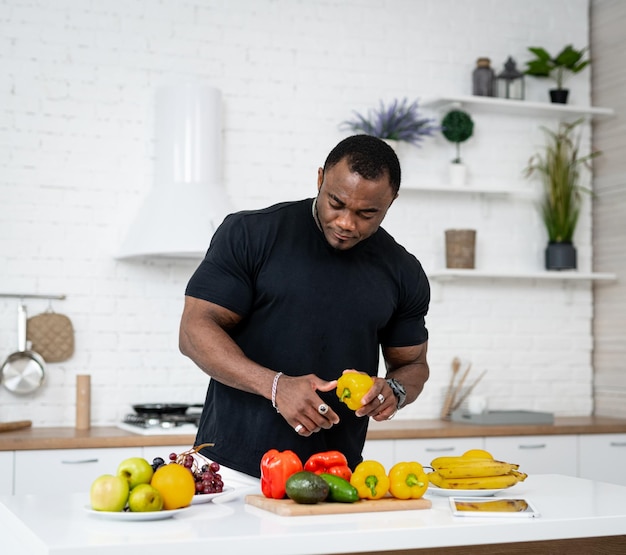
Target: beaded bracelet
column 274, row 384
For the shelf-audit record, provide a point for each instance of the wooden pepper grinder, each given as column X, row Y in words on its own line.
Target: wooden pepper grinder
column 83, row 402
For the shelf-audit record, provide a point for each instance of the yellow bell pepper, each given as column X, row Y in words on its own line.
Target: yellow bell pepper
column 351, row 387
column 407, row 480
column 370, row 480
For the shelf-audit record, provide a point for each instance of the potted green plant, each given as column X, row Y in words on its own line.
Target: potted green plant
column 569, row 60
column 559, row 168
column 400, row 121
column 457, row 126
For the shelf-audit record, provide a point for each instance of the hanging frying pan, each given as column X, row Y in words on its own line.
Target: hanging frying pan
column 163, row 408
column 23, row 370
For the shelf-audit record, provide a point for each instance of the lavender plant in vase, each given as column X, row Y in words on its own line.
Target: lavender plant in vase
column 396, row 123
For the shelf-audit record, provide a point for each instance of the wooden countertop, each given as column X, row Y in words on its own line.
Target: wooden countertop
column 415, row 429
column 99, row 437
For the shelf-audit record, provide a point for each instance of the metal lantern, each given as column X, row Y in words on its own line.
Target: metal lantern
column 511, row 81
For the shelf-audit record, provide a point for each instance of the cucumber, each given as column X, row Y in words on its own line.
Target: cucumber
column 306, row 487
column 340, row 490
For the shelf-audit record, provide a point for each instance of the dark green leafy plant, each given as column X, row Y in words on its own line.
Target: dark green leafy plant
column 569, row 60
column 559, row 169
column 400, row 121
column 457, row 126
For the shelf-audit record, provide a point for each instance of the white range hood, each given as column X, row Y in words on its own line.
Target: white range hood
column 187, row 201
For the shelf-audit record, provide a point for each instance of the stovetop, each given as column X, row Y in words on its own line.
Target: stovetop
column 156, row 424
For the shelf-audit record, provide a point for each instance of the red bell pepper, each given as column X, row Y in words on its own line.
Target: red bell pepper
column 276, row 467
column 329, row 462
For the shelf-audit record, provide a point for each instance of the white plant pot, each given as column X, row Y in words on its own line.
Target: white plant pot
column 458, row 175
column 394, row 144
column 401, row 148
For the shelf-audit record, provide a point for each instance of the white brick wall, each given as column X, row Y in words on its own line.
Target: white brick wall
column 76, row 159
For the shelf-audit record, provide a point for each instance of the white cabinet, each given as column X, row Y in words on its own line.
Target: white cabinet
column 6, row 472
column 552, row 454
column 594, row 456
column 603, row 457
column 381, row 450
column 425, row 450
column 66, row 470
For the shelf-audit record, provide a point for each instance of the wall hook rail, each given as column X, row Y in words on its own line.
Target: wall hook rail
column 32, row 296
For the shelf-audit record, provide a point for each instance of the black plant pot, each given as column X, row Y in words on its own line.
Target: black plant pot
column 560, row 256
column 559, row 96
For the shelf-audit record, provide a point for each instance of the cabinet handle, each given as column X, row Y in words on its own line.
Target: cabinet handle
column 438, row 449
column 83, row 461
column 535, row 446
column 618, row 444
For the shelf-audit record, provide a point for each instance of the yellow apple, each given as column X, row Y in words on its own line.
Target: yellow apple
column 109, row 493
column 145, row 498
column 136, row 470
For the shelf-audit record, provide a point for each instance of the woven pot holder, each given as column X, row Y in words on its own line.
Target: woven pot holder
column 51, row 335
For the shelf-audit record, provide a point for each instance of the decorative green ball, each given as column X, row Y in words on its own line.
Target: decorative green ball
column 457, row 126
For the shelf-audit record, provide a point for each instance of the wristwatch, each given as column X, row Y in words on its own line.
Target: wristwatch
column 398, row 391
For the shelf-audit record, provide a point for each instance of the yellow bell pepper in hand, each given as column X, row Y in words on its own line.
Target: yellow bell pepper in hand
column 407, row 480
column 370, row 480
column 351, row 387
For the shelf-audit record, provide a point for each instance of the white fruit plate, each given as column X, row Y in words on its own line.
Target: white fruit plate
column 128, row 515
column 463, row 492
column 206, row 497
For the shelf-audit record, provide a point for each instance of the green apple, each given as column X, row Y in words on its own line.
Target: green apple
column 145, row 498
column 136, row 470
column 109, row 493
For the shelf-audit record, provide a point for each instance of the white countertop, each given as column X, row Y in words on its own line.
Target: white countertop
column 569, row 507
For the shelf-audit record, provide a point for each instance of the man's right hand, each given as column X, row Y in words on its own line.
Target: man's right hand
column 302, row 407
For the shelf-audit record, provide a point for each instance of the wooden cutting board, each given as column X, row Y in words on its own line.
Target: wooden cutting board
column 10, row 426
column 287, row 507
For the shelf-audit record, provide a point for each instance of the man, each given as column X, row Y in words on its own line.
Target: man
column 289, row 297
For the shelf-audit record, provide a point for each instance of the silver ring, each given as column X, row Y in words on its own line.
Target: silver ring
column 298, row 428
column 381, row 398
column 322, row 409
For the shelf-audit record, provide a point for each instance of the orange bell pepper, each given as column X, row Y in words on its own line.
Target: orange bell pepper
column 329, row 462
column 276, row 468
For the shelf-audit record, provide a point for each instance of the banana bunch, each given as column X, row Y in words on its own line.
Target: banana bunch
column 475, row 469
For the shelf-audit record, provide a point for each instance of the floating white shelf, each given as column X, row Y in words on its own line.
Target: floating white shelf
column 439, row 278
column 517, row 107
column 567, row 275
column 470, row 190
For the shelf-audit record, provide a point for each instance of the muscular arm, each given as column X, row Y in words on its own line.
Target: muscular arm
column 408, row 365
column 204, row 338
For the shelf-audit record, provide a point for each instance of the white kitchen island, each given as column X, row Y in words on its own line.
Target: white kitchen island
column 590, row 513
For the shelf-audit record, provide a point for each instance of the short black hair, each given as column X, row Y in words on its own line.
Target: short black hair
column 368, row 156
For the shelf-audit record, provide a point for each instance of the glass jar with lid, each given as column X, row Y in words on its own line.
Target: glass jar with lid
column 483, row 78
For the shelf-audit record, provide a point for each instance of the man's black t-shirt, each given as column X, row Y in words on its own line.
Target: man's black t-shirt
column 306, row 308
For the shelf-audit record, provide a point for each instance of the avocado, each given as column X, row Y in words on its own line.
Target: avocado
column 306, row 487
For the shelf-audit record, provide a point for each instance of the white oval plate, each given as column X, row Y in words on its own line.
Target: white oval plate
column 128, row 515
column 463, row 492
column 206, row 497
